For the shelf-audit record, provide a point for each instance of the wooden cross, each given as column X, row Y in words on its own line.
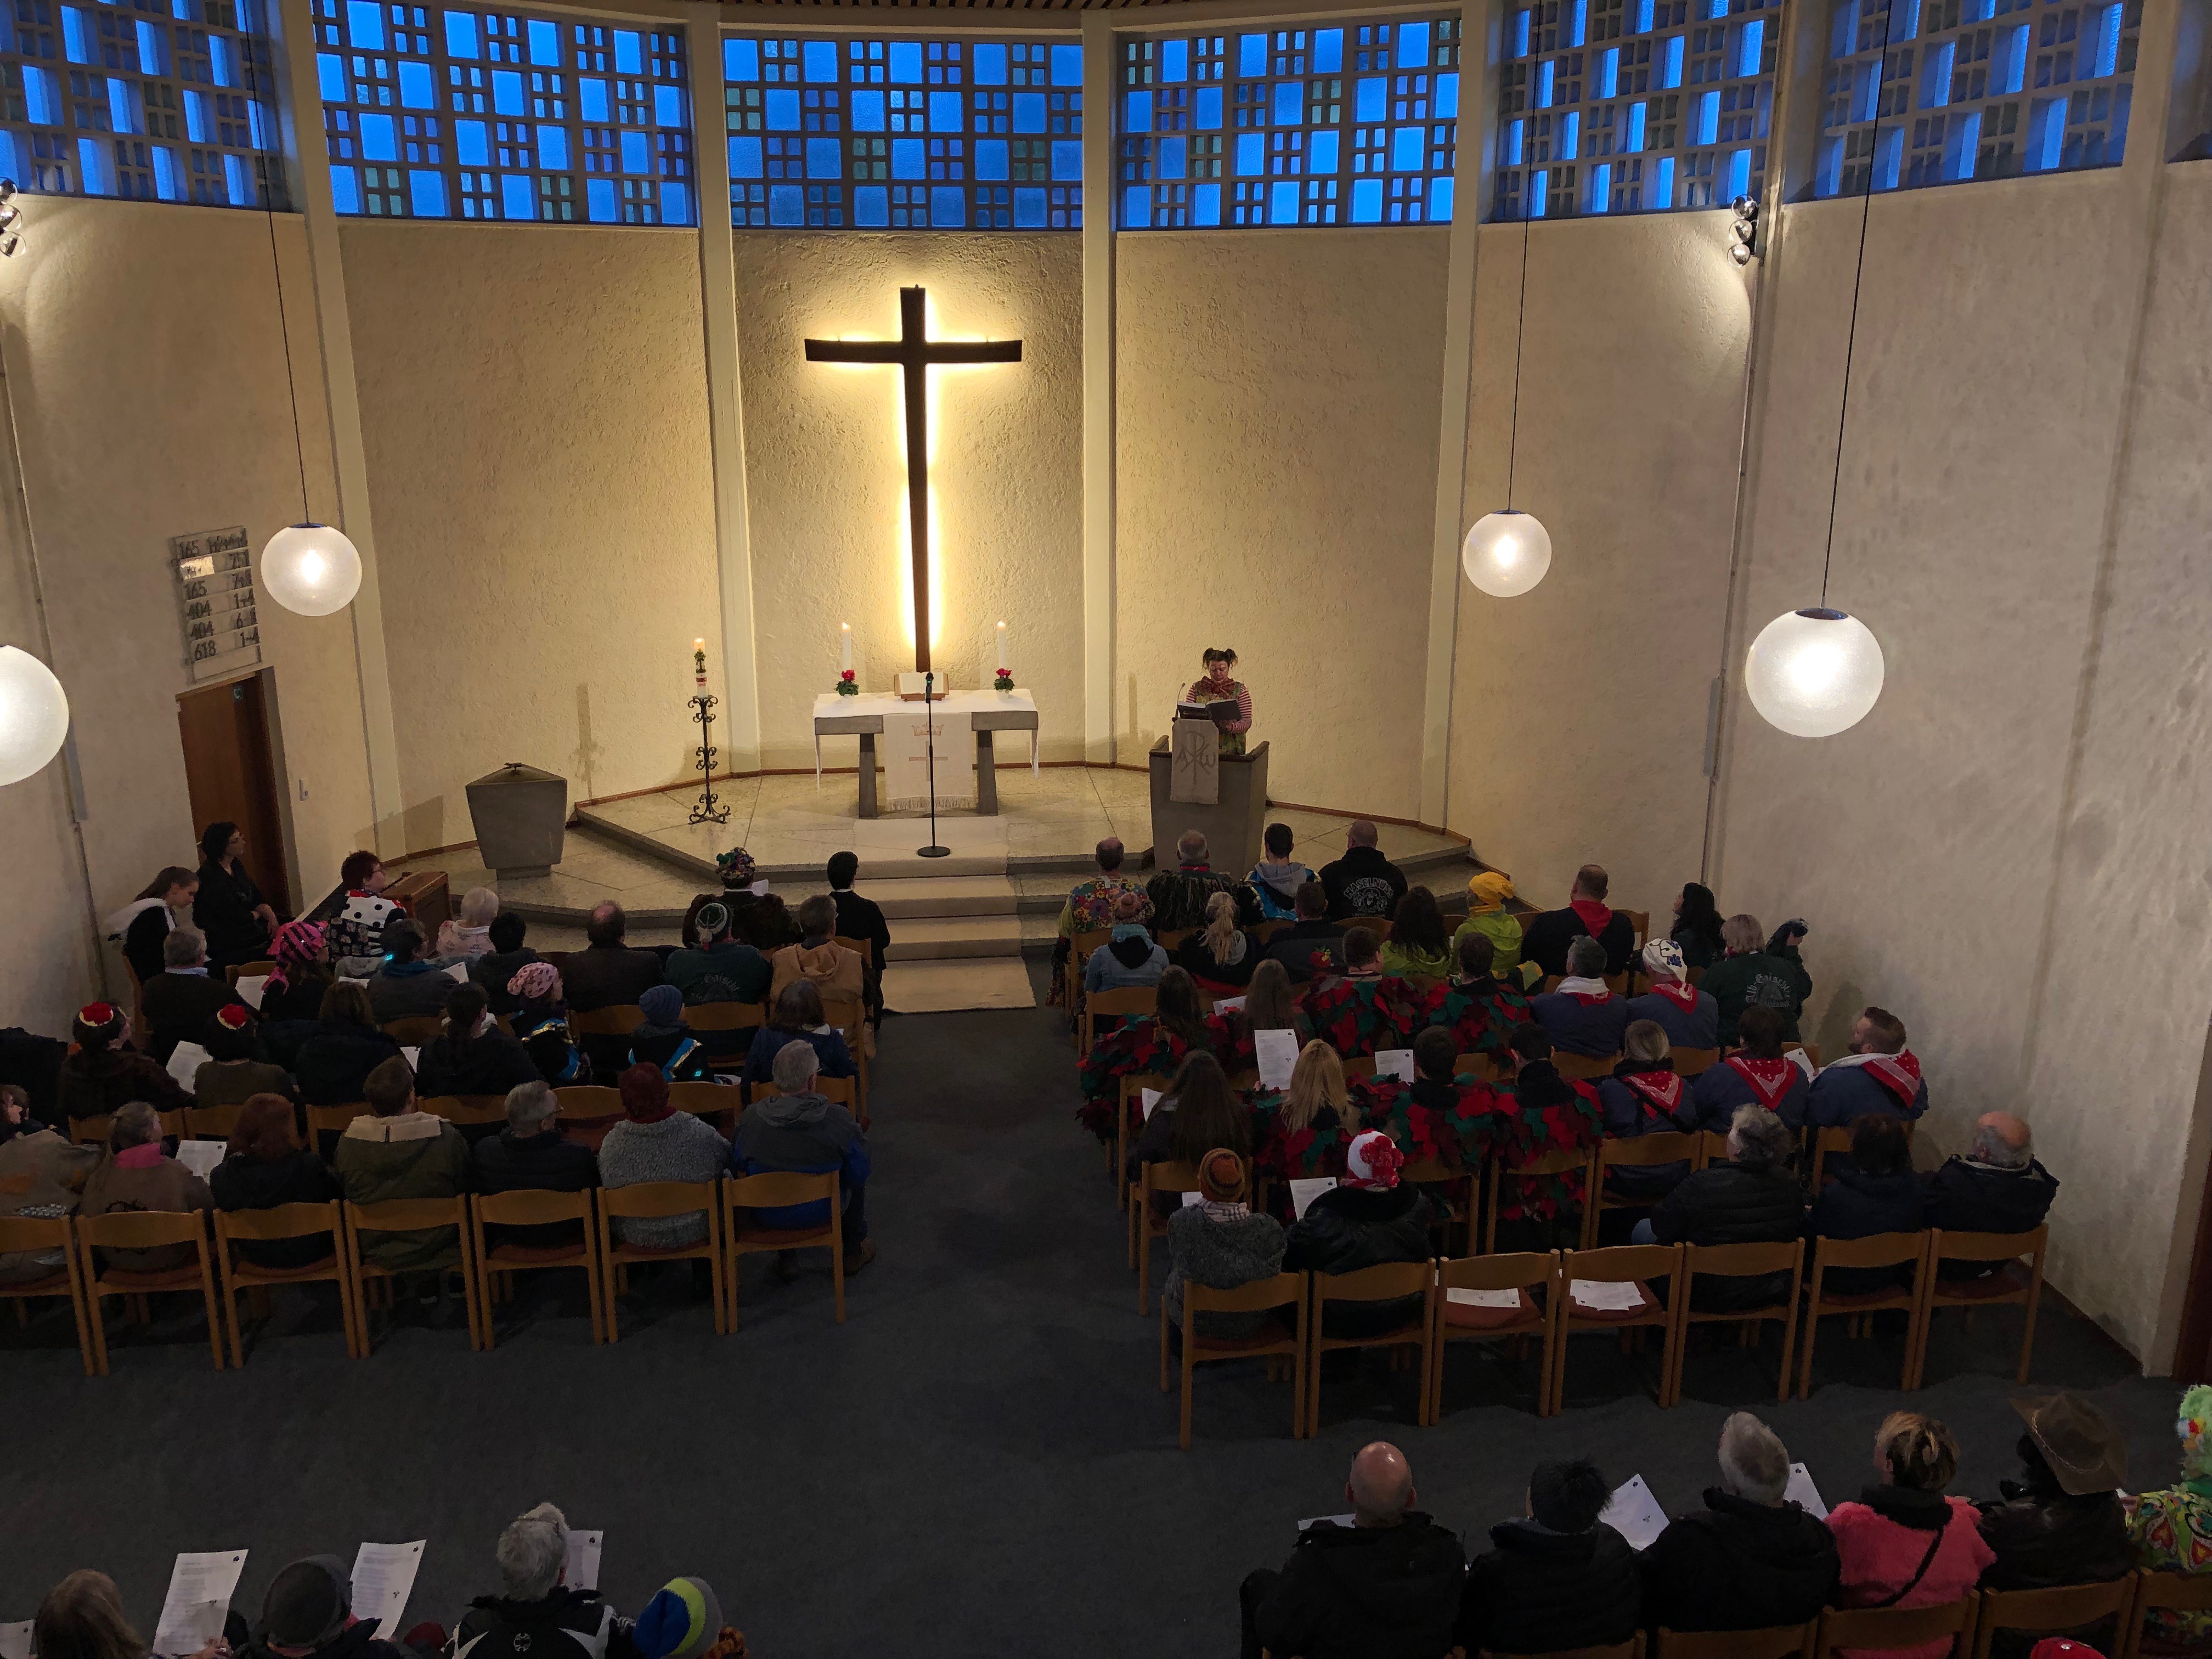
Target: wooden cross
column 914, row 352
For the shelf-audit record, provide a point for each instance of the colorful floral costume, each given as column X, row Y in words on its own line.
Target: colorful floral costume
column 1458, row 1139
column 2172, row 1529
column 1521, row 1136
column 1480, row 1020
column 1357, row 1016
column 1317, row 1149
column 1129, row 1050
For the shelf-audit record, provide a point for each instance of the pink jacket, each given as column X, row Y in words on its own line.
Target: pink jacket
column 1879, row 1555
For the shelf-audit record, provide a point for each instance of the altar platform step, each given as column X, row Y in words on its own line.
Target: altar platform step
column 941, row 895
column 930, row 938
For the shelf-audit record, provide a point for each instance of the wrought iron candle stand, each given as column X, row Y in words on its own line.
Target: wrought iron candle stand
column 707, row 810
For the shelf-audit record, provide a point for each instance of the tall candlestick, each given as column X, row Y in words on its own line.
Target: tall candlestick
column 845, row 646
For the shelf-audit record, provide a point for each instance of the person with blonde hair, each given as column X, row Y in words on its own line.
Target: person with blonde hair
column 1903, row 1543
column 83, row 1618
column 1220, row 953
column 1758, row 973
column 468, row 936
column 1643, row 1096
column 1302, row 1132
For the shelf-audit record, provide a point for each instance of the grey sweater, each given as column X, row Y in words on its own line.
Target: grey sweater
column 1221, row 1255
column 680, row 1147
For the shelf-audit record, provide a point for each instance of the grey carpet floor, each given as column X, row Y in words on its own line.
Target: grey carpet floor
column 979, row 1461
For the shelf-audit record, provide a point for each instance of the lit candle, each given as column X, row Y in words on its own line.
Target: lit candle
column 699, row 664
column 1005, row 668
column 845, row 647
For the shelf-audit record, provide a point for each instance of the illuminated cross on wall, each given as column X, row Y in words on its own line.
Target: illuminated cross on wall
column 915, row 353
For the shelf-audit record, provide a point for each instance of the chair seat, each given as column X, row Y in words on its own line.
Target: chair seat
column 1649, row 1304
column 645, row 1252
column 246, row 1273
column 534, row 1255
column 1461, row 1316
column 1865, row 1301
column 783, row 1237
column 51, row 1285
column 1413, row 1333
column 168, row 1278
column 2010, row 1280
column 1222, row 1347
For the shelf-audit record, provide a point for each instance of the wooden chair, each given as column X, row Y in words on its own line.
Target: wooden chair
column 1361, row 1067
column 1691, row 1062
column 250, row 971
column 44, row 1233
column 211, row 1122
column 1560, row 1162
column 1078, row 952
column 1879, row 1251
column 722, row 1016
column 1262, row 932
column 1618, row 983
column 1130, row 1002
column 707, row 1099
column 617, row 1019
column 91, row 1130
column 1621, row 1264
column 416, row 1033
column 582, row 1103
column 469, row 1109
column 331, row 1120
column 1712, row 1147
column 1386, row 1282
column 2181, row 1592
column 777, row 1191
column 1660, row 1146
column 1742, row 1261
column 1536, row 1315
column 1898, row 1627
column 1172, row 937
column 850, row 1016
column 497, row 1264
column 142, row 1229
column 1631, row 1649
column 1775, row 1641
column 2049, row 1611
column 1585, row 1068
column 281, row 1221
column 1439, row 1181
column 1261, row 1295
column 1831, row 1143
column 409, row 1215
column 1144, row 1226
column 1129, row 1096
column 655, row 1200
column 2009, row 1284
column 838, row 1089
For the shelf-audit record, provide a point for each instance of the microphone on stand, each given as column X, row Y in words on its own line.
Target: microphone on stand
column 929, row 728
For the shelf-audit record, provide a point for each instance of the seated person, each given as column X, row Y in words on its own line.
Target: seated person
column 136, row 1175
column 308, row 1613
column 1196, row 1113
column 1270, row 1004
column 1478, row 1008
column 1276, row 876
column 1535, row 1112
column 1363, row 883
column 1440, row 1114
column 1583, row 1016
column 720, row 968
column 1643, row 1096
column 235, row 1071
column 802, row 1131
column 833, row 970
column 499, row 965
column 1368, row 1217
column 1697, row 926
column 1220, row 1244
column 1587, row 917
column 1904, row 1544
column 1560, row 1579
column 1220, row 953
column 1880, row 1075
column 1419, row 945
column 1755, row 975
column 333, row 1064
column 1389, row 1586
column 467, row 935
column 472, row 1055
column 356, row 932
column 1486, row 915
column 530, row 1155
column 1875, row 1192
column 1690, row 1017
column 42, row 1174
column 1302, row 1132
column 859, row 919
column 1760, row 1075
column 180, row 1001
column 383, row 1155
column 1152, row 1043
column 1753, row 1198
column 1090, row 906
column 1130, row 957
column 406, row 985
column 2062, row 1521
column 663, row 1039
column 607, row 973
column 537, row 1612
column 797, row 1018
column 1308, row 948
column 104, row 1074
column 656, row 1142
column 1364, row 1010
column 560, row 1060
column 535, row 990
column 264, row 1166
column 1179, row 895
column 2167, row 1526
column 1751, row 1559
column 1997, row 1186
column 294, row 989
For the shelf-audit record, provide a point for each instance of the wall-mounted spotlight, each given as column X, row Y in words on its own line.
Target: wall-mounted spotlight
column 1744, row 231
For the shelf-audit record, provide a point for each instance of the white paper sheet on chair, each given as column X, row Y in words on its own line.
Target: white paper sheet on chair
column 250, row 988
column 1607, row 1296
column 1634, row 1513
column 1484, row 1298
column 1303, row 1193
column 185, row 1063
column 201, row 1156
column 1277, row 1056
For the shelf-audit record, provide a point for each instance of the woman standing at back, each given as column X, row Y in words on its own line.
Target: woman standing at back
column 1905, row 1544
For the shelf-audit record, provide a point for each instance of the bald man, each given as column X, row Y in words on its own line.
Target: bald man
column 1386, row 1587
column 1995, row 1187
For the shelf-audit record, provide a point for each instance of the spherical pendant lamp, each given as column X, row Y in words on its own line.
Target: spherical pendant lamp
column 310, row 569
column 1506, row 553
column 1813, row 673
column 34, row 714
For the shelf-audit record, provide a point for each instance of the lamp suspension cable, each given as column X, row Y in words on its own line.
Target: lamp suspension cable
column 1520, row 333
column 283, row 323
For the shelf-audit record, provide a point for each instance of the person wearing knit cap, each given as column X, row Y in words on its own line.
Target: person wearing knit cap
column 2170, row 1528
column 1486, row 915
column 722, row 968
column 1691, row 1017
column 1369, row 1217
column 1220, row 1244
column 101, row 1072
column 663, row 1038
column 308, row 1614
column 1557, row 1578
column 656, row 1142
column 685, row 1621
column 236, row 1069
column 294, row 986
column 539, row 1614
column 1132, row 956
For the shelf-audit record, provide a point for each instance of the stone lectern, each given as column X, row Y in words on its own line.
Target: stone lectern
column 1232, row 825
column 520, row 813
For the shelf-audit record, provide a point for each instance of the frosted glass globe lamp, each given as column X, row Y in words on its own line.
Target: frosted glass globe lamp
column 34, row 714
column 1506, row 553
column 310, row 569
column 1813, row 673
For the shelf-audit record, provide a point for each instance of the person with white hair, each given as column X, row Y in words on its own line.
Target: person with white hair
column 800, row 1131
column 1581, row 1012
column 1997, row 1186
column 466, row 937
column 1753, row 1197
column 537, row 1614
column 1758, row 972
column 532, row 1155
column 1752, row 1558
column 1178, row 896
column 1691, row 1017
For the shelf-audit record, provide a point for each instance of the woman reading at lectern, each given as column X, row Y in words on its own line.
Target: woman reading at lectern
column 1218, row 686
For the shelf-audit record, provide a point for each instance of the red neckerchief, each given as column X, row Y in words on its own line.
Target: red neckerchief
column 1769, row 1079
column 1594, row 916
column 1590, row 999
column 1198, row 869
column 1900, row 1073
column 1661, row 1089
column 1683, row 996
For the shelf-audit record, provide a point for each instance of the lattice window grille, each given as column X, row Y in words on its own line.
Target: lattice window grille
column 158, row 100
column 1349, row 124
column 898, row 133
column 1927, row 92
column 434, row 113
column 1634, row 106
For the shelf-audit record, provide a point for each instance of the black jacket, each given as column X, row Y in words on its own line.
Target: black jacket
column 1366, row 1593
column 1739, row 1566
column 1298, row 946
column 1727, row 1205
column 357, row 1641
column 240, row 1182
column 1192, row 958
column 334, row 1063
column 1545, row 940
column 607, row 976
column 862, row 919
column 508, row 1163
column 301, row 998
column 1540, row 1591
column 93, row 1085
column 1857, row 1205
column 223, row 910
column 2043, row 1539
column 492, row 972
column 1363, row 883
column 1348, row 1227
column 178, row 1007
column 1966, row 1197
column 566, row 1624
column 143, row 939
column 490, row 1064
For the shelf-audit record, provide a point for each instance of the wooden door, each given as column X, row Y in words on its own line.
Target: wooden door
column 230, row 769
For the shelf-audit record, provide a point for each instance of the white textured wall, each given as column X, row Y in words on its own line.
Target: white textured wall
column 826, row 476
column 533, row 407
column 1279, row 399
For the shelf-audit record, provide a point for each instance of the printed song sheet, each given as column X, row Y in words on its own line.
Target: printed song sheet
column 383, row 1579
column 1277, row 1052
column 193, row 1612
column 1634, row 1513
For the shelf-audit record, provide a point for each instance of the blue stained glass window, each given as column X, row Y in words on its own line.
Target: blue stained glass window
column 495, row 115
column 907, row 133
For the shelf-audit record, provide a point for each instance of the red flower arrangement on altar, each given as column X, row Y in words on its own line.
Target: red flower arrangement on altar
column 1005, row 682
column 846, row 688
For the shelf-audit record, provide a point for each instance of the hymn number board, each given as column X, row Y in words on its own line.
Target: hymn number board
column 215, row 601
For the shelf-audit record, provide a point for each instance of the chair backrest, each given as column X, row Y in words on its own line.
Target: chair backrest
column 34, row 1232
column 1584, row 1067
column 1775, row 1641
column 1386, row 1281
column 1282, row 1290
column 1471, row 1065
column 778, row 1189
column 1631, row 1649
column 1125, row 1001
column 1662, row 1146
column 2178, row 1592
column 406, row 1215
column 846, row 1013
column 1429, row 1169
column 466, row 1109
column 1364, row 1066
column 1266, row 930
column 658, row 1198
column 2067, row 1607
column 277, row 1221
column 140, row 1230
column 1619, row 1263
column 858, row 947
column 1095, row 939
column 1167, row 939
column 414, row 1032
column 1876, row 1250
column 212, row 1122
column 1133, row 1085
column 250, row 971
column 617, row 1019
column 532, row 1206
column 1510, row 1272
column 1617, row 983
column 728, row 1016
column 1558, row 1161
column 1744, row 1260
column 1167, row 1177
column 839, row 1089
column 332, row 1120
column 706, row 1098
column 1712, row 1147
column 581, row 1101
column 1641, row 921
column 1896, row 1627
column 1985, row 1246
column 1690, row 1062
